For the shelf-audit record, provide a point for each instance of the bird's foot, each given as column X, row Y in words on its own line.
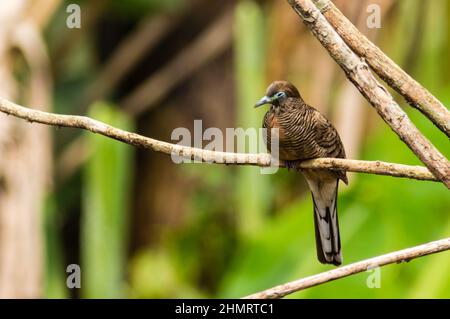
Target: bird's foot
column 292, row 164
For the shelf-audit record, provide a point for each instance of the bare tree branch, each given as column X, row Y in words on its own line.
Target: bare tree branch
column 359, row 74
column 341, row 272
column 263, row 160
column 414, row 93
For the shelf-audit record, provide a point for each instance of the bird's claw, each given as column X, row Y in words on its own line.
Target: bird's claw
column 292, row 165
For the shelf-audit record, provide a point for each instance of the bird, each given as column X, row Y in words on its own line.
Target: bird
column 304, row 133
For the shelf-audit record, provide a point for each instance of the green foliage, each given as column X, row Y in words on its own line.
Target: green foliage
column 250, row 64
column 106, row 192
column 54, row 280
column 156, row 274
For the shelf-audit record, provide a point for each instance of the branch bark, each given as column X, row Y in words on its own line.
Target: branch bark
column 414, row 93
column 341, row 272
column 263, row 160
column 359, row 74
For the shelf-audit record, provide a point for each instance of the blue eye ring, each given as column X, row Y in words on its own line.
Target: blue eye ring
column 279, row 95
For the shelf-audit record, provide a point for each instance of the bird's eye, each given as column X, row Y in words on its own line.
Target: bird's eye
column 280, row 94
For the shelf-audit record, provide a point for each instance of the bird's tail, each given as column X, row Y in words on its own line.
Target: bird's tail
column 328, row 242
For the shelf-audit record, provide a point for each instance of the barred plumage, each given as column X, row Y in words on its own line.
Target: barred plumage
column 304, row 133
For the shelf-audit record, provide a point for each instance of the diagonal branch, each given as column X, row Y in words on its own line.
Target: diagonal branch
column 414, row 93
column 341, row 272
column 359, row 74
column 262, row 160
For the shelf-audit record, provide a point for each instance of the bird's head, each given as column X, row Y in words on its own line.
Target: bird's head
column 278, row 92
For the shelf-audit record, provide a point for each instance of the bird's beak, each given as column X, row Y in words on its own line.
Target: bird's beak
column 264, row 100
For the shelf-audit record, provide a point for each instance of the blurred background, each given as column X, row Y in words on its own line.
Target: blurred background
column 141, row 226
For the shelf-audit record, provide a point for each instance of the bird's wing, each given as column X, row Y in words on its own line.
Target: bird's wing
column 327, row 137
column 329, row 141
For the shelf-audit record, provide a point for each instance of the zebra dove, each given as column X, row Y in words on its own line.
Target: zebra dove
column 304, row 133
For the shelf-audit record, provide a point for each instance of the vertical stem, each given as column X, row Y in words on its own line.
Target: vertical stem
column 105, row 203
column 250, row 70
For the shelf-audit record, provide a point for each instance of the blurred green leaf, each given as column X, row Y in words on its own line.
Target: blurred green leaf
column 106, row 193
column 251, row 188
column 55, row 272
column 154, row 274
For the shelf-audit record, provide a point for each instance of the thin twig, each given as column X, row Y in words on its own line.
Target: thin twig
column 414, row 93
column 262, row 160
column 404, row 255
column 359, row 74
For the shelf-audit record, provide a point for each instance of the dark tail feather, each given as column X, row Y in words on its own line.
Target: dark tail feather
column 326, row 224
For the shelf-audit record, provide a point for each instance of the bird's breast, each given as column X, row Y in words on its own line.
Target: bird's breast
column 286, row 151
column 296, row 136
column 274, row 123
